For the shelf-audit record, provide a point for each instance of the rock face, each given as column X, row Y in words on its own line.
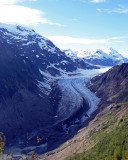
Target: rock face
column 105, row 57
column 29, row 66
column 111, row 86
column 100, row 135
column 28, row 45
column 21, row 98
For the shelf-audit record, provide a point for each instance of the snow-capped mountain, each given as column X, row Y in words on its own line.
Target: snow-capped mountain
column 30, row 67
column 125, row 54
column 39, row 50
column 106, row 57
column 34, row 47
column 42, row 90
column 70, row 53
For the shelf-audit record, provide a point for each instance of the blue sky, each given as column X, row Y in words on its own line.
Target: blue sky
column 74, row 24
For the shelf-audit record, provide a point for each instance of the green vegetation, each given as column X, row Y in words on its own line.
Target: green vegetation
column 111, row 140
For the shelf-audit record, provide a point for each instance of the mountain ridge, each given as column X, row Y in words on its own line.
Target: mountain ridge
column 105, row 134
column 106, row 56
column 30, row 68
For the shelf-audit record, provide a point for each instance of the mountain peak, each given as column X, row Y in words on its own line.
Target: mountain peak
column 14, row 28
column 106, row 56
column 110, row 50
column 25, row 36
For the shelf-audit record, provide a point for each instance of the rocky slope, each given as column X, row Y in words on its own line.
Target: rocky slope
column 105, row 134
column 101, row 138
column 30, row 66
column 105, row 57
column 112, row 85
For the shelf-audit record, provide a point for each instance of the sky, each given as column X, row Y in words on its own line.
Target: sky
column 74, row 24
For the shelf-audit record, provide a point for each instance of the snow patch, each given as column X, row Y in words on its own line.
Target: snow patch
column 92, row 54
column 37, row 56
column 45, row 88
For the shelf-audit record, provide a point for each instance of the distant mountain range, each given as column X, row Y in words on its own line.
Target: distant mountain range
column 105, row 57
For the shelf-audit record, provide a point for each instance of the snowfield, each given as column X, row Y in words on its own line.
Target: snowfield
column 107, row 53
column 22, row 34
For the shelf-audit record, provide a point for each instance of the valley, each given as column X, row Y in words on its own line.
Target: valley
column 104, row 135
column 72, row 104
column 57, row 98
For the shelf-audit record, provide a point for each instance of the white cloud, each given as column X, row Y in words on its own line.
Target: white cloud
column 93, row 1
column 98, row 1
column 72, row 40
column 67, row 40
column 118, row 38
column 121, row 9
column 10, row 2
column 99, row 10
column 11, row 13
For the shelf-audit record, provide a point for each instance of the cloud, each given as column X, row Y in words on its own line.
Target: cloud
column 67, row 39
column 10, row 2
column 99, row 10
column 73, row 40
column 93, row 1
column 120, row 9
column 98, row 1
column 11, row 13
